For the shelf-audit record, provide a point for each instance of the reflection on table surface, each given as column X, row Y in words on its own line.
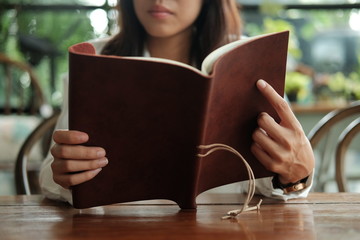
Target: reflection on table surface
column 321, row 216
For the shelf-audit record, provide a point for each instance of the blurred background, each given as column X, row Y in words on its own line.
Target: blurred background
column 323, row 67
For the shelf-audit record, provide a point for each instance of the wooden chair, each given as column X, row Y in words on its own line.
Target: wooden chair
column 22, row 107
column 22, row 93
column 344, row 142
column 25, row 183
column 334, row 146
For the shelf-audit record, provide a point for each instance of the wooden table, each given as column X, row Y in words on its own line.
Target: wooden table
column 320, row 216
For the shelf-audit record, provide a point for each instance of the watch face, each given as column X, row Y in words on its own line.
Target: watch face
column 294, row 188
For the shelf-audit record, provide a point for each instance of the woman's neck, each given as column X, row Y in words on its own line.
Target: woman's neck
column 174, row 48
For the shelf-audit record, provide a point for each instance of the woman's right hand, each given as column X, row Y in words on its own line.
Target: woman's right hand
column 73, row 163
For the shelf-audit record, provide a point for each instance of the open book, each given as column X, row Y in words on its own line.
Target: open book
column 150, row 115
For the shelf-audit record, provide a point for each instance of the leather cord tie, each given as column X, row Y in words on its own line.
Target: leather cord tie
column 251, row 186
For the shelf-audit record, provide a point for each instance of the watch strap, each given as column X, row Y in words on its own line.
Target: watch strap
column 290, row 187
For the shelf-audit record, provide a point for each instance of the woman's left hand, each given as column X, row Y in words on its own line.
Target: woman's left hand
column 282, row 148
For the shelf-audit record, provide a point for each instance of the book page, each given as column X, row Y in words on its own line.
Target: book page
column 209, row 61
column 166, row 61
column 88, row 49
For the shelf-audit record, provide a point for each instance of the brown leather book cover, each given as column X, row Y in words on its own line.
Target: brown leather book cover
column 150, row 115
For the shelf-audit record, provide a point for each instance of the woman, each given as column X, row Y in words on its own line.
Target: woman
column 185, row 31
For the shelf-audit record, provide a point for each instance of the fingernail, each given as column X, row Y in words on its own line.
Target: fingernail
column 96, row 171
column 82, row 137
column 103, row 162
column 100, row 153
column 261, row 83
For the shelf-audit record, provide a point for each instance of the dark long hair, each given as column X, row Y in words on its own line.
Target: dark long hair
column 218, row 23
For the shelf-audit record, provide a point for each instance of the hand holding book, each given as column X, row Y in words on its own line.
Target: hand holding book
column 73, row 163
column 282, row 147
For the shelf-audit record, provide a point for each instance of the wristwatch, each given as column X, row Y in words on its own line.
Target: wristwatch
column 290, row 187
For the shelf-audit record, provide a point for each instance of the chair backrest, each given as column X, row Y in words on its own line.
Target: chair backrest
column 22, row 107
column 346, row 131
column 26, row 179
column 344, row 142
column 21, row 91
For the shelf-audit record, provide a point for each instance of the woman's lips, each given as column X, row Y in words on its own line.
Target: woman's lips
column 160, row 12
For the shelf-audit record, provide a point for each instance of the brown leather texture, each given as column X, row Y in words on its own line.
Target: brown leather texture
column 234, row 105
column 150, row 117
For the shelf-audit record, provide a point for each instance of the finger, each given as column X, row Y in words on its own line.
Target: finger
column 267, row 144
column 272, row 128
column 77, row 152
column 269, row 125
column 61, row 166
column 70, row 137
column 264, row 158
column 68, row 180
column 279, row 104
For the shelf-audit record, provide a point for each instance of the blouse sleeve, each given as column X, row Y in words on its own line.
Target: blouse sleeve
column 49, row 188
column 264, row 186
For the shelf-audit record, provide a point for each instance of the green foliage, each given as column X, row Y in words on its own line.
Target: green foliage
column 278, row 25
column 271, row 25
column 309, row 24
column 60, row 29
column 8, row 39
column 4, row 29
column 349, row 86
column 297, row 85
column 271, row 8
